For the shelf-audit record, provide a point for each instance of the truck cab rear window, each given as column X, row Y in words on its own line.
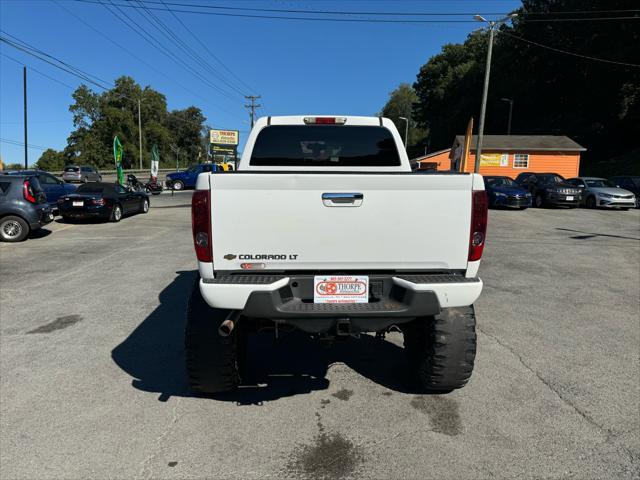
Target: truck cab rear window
column 325, row 146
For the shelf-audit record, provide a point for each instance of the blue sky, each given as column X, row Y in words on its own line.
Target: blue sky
column 297, row 66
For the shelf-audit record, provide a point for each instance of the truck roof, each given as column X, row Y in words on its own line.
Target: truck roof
column 300, row 119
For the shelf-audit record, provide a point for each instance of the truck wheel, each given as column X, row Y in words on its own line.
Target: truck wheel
column 212, row 360
column 178, row 185
column 442, row 348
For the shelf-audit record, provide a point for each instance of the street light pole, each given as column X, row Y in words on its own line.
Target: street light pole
column 24, row 93
column 140, row 133
column 510, row 100
column 176, row 149
column 406, row 130
column 492, row 26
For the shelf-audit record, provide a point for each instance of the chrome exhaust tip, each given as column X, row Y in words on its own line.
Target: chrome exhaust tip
column 229, row 323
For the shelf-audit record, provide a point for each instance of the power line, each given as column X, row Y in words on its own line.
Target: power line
column 71, row 70
column 585, row 19
column 37, row 71
column 343, row 12
column 190, row 52
column 276, row 17
column 141, row 60
column 570, row 53
column 50, row 59
column 22, row 45
column 352, row 20
column 312, row 12
column 155, row 43
column 213, row 55
column 21, row 144
column 194, row 53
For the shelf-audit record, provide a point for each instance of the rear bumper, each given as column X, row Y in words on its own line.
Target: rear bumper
column 40, row 217
column 279, row 296
column 86, row 212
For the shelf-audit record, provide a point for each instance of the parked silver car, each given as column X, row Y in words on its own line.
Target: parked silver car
column 81, row 173
column 600, row 192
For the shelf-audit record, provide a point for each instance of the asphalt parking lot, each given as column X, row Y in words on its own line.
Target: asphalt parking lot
column 93, row 385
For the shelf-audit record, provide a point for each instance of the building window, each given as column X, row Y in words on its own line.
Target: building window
column 521, row 160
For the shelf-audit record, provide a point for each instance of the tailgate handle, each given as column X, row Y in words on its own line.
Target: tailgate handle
column 342, row 199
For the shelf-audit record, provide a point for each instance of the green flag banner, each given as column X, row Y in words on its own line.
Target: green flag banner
column 118, row 153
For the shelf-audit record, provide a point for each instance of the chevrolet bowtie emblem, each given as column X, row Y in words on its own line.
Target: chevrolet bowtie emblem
column 229, row 256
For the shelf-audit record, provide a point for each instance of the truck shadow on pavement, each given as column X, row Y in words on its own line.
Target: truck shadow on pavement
column 153, row 354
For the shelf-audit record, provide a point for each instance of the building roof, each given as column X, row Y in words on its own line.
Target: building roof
column 524, row 142
column 432, row 154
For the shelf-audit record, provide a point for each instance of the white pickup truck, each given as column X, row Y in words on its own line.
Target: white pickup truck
column 325, row 228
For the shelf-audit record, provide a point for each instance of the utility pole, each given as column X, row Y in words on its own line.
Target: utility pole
column 177, row 150
column 252, row 107
column 510, row 100
column 24, row 91
column 493, row 24
column 140, row 133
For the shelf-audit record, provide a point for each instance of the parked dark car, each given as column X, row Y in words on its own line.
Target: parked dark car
column 550, row 189
column 505, row 192
column 188, row 177
column 53, row 187
column 108, row 201
column 629, row 182
column 23, row 207
column 81, row 173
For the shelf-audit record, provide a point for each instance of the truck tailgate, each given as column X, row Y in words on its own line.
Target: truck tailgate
column 359, row 221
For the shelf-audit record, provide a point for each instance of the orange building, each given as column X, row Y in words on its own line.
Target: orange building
column 439, row 160
column 510, row 155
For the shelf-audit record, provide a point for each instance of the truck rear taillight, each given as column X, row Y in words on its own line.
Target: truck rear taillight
column 27, row 192
column 325, row 120
column 479, row 206
column 201, row 225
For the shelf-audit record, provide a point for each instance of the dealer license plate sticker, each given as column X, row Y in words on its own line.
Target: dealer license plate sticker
column 569, row 198
column 78, row 204
column 340, row 289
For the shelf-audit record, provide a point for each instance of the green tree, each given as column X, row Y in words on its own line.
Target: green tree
column 98, row 117
column 448, row 88
column 400, row 104
column 186, row 128
column 51, row 160
column 595, row 103
column 14, row 166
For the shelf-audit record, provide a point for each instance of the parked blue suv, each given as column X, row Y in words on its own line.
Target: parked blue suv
column 187, row 178
column 53, row 187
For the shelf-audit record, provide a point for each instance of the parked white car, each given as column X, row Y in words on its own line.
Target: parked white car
column 600, row 192
column 324, row 228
